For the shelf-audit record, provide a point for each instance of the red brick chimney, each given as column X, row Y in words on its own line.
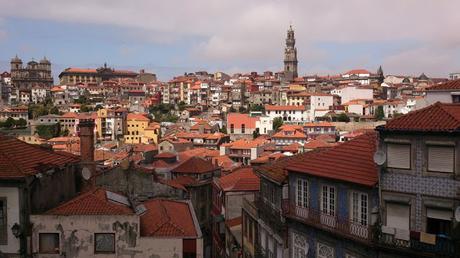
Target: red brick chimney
column 87, row 143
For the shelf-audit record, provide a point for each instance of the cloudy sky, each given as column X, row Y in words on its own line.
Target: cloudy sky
column 176, row 36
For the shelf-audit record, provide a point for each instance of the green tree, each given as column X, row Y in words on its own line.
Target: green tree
column 223, row 129
column 342, row 117
column 232, row 110
column 277, row 123
column 257, row 107
column 255, row 133
column 65, row 132
column 98, row 106
column 85, row 108
column 21, row 122
column 54, row 111
column 9, row 123
column 48, row 131
column 182, row 106
column 379, row 114
column 242, row 110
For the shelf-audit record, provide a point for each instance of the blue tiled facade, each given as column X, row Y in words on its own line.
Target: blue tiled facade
column 342, row 242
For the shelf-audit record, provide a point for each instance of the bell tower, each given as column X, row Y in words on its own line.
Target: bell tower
column 290, row 56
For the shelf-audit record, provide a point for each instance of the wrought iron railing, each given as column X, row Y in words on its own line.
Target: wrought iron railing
column 442, row 245
column 333, row 223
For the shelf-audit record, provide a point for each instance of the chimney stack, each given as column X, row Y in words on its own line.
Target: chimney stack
column 87, row 143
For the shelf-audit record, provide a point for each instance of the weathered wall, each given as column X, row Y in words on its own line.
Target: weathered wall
column 234, row 203
column 12, row 202
column 351, row 126
column 77, row 234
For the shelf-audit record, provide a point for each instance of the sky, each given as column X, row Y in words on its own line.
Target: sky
column 405, row 37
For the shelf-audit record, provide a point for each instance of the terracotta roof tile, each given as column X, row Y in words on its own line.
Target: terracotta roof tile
column 242, row 179
column 19, row 159
column 167, row 218
column 439, row 117
column 195, row 165
column 238, row 120
column 450, row 85
column 93, row 202
column 351, row 161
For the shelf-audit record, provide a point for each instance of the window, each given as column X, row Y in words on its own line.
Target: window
column 324, row 251
column 441, row 158
column 359, row 208
column 300, row 246
column 302, row 193
column 104, row 243
column 243, row 128
column 48, row 243
column 3, row 222
column 438, row 221
column 398, row 215
column 399, row 155
column 328, row 200
column 455, row 98
column 232, row 128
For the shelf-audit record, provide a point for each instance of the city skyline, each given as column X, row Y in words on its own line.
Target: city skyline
column 332, row 37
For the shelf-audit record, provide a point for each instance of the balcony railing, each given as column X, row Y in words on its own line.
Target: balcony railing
column 333, row 223
column 442, row 246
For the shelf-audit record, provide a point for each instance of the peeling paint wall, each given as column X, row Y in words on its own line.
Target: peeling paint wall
column 77, row 237
column 77, row 233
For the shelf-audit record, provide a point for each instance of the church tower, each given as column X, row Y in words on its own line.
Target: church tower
column 290, row 56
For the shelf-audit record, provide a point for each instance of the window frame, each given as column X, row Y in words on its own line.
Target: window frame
column 104, row 252
column 4, row 231
column 359, row 209
column 302, row 200
column 328, row 210
column 40, row 251
column 410, row 154
column 427, row 146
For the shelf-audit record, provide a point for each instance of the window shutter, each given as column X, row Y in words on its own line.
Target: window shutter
column 439, row 214
column 441, row 158
column 398, row 155
column 398, row 215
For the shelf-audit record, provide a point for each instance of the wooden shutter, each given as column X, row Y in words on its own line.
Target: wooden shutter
column 441, row 158
column 398, row 155
column 398, row 215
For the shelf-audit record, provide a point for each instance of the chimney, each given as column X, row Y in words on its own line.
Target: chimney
column 87, row 143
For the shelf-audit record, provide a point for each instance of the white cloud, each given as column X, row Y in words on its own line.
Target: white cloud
column 255, row 30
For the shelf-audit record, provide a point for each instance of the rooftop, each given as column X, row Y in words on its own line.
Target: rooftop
column 242, row 179
column 350, row 161
column 167, row 218
column 439, row 117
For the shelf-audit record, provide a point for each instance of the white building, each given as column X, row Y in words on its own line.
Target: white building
column 350, row 92
column 289, row 114
column 38, row 94
column 320, row 104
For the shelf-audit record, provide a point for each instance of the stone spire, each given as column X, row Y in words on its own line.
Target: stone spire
column 290, row 56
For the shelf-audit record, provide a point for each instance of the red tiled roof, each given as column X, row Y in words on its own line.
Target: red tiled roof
column 195, row 165
column 284, row 134
column 242, row 179
column 450, row 85
column 238, row 120
column 167, row 218
column 165, row 155
column 276, row 170
column 93, row 202
column 358, row 71
column 19, row 159
column 351, row 161
column 138, row 117
column 437, row 117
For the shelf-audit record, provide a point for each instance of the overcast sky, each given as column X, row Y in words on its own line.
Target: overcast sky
column 172, row 37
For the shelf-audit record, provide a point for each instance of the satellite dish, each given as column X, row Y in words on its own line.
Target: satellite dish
column 457, row 214
column 380, row 157
column 86, row 173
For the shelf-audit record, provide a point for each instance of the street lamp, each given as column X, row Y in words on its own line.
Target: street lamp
column 16, row 229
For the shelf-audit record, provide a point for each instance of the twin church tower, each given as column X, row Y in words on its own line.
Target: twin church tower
column 290, row 56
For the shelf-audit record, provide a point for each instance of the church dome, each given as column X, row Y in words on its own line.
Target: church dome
column 45, row 61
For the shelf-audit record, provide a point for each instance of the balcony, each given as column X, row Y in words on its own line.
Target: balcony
column 442, row 245
column 334, row 224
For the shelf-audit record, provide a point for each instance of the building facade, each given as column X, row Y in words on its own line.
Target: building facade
column 33, row 74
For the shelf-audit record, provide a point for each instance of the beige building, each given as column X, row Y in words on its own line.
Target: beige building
column 135, row 127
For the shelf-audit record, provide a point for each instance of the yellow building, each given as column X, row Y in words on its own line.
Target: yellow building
column 151, row 133
column 136, row 125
